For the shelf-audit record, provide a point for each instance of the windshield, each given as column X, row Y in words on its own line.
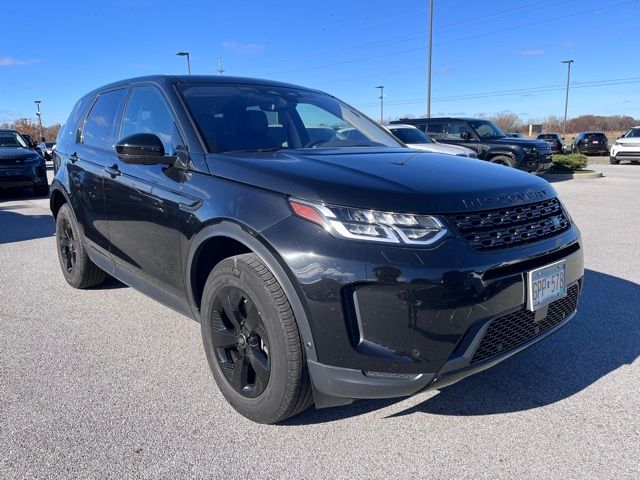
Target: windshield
column 486, row 129
column 633, row 133
column 548, row 136
column 11, row 139
column 411, row 135
column 266, row 118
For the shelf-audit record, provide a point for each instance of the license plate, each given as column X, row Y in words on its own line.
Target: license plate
column 595, row 141
column 546, row 284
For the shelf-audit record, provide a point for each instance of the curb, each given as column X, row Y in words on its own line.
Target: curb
column 570, row 176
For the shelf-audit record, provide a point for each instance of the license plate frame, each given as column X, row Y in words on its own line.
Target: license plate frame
column 553, row 276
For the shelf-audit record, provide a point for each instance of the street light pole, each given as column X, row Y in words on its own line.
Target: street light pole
column 381, row 87
column 429, row 59
column 186, row 54
column 566, row 98
column 38, row 102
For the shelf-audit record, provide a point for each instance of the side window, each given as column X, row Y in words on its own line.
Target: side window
column 455, row 129
column 434, row 130
column 102, row 122
column 147, row 112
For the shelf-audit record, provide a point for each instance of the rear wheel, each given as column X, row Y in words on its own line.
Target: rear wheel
column 503, row 160
column 252, row 342
column 78, row 269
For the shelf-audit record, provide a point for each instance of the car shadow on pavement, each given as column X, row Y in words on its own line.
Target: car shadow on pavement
column 16, row 227
column 604, row 336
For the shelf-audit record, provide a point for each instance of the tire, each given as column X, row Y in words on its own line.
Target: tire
column 41, row 191
column 78, row 269
column 503, row 160
column 252, row 341
column 613, row 161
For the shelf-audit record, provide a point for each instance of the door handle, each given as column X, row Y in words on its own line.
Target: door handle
column 74, row 157
column 113, row 170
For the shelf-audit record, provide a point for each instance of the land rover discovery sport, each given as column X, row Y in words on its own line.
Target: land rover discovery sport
column 324, row 260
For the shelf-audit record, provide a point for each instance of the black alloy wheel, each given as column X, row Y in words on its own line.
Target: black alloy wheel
column 67, row 245
column 77, row 268
column 240, row 341
column 252, row 342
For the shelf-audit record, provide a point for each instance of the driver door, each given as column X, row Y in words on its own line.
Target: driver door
column 143, row 201
column 459, row 133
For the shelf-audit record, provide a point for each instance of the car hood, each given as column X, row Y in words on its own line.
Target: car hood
column 15, row 152
column 628, row 140
column 441, row 148
column 401, row 179
column 523, row 142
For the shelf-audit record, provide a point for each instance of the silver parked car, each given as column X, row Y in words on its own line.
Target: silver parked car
column 418, row 140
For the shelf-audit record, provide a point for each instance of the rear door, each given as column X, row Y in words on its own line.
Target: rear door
column 87, row 158
column 143, row 201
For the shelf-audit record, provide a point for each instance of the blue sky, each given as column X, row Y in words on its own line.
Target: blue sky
column 500, row 55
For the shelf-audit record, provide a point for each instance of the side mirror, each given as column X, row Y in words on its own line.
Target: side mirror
column 143, row 149
column 465, row 135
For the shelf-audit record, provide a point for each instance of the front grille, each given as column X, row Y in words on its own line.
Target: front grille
column 512, row 226
column 512, row 330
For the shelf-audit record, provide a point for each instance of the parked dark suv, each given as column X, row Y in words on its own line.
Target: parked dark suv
column 321, row 268
column 20, row 166
column 487, row 140
column 555, row 141
column 591, row 143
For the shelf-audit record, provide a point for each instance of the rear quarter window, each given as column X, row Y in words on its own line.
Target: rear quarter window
column 68, row 133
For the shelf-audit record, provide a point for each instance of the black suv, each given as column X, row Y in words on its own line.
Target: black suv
column 321, row 268
column 591, row 143
column 555, row 141
column 20, row 166
column 488, row 140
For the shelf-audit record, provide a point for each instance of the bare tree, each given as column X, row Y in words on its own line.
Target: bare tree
column 28, row 126
column 507, row 121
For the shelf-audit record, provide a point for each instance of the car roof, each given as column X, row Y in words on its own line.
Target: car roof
column 400, row 125
column 167, row 80
column 9, row 130
column 433, row 119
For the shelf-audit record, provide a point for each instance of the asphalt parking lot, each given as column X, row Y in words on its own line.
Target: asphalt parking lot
column 107, row 383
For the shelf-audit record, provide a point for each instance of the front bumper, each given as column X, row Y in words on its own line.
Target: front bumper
column 23, row 176
column 390, row 321
column 625, row 153
column 538, row 163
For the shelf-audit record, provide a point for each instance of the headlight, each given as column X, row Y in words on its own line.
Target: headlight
column 616, row 144
column 371, row 225
column 528, row 150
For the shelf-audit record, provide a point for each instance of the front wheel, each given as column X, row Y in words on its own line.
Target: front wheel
column 613, row 161
column 252, row 341
column 503, row 160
